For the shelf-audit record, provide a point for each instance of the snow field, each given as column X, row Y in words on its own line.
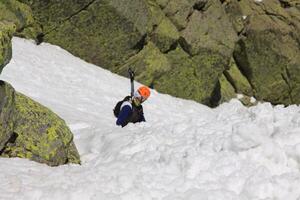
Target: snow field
column 185, row 151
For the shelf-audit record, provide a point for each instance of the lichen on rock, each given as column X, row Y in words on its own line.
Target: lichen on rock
column 6, row 31
column 267, row 53
column 21, row 15
column 117, row 34
column 30, row 130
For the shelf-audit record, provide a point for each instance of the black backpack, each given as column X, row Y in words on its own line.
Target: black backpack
column 118, row 106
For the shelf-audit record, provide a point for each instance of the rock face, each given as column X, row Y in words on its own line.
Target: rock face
column 30, row 130
column 268, row 51
column 195, row 49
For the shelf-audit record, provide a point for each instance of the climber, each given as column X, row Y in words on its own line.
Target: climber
column 130, row 108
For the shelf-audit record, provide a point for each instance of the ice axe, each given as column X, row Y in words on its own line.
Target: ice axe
column 131, row 75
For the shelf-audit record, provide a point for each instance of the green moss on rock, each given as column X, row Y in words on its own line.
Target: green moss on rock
column 6, row 124
column 6, row 31
column 21, row 15
column 162, row 3
column 165, row 35
column 148, row 64
column 107, row 37
column 178, row 11
column 211, row 30
column 193, row 78
column 143, row 34
column 237, row 79
column 236, row 15
column 39, row 134
column 226, row 89
column 264, row 55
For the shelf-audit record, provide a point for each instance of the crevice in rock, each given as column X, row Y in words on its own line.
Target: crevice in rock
column 11, row 140
column 172, row 47
column 276, row 15
column 72, row 15
column 163, row 6
column 184, row 45
column 285, row 4
column 216, row 95
column 241, row 32
column 2, row 95
column 200, row 5
column 286, row 80
column 189, row 16
column 245, row 71
column 39, row 38
column 140, row 44
column 230, row 80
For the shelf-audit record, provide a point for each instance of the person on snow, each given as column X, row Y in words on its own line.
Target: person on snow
column 130, row 109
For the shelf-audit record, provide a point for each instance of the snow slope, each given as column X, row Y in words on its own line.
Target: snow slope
column 185, row 151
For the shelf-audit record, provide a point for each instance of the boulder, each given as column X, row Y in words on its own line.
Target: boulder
column 268, row 52
column 178, row 11
column 6, row 114
column 148, row 64
column 236, row 15
column 15, row 19
column 21, row 15
column 191, row 77
column 210, row 30
column 30, row 130
column 6, row 31
column 165, row 35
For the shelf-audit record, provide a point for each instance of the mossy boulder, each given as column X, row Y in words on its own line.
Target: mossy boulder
column 6, row 31
column 178, row 11
column 149, row 64
column 191, row 77
column 268, row 53
column 6, row 115
column 21, row 15
column 30, row 130
column 236, row 15
column 15, row 19
column 165, row 35
column 210, row 29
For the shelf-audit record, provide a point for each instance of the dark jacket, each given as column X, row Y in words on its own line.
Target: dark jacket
column 129, row 112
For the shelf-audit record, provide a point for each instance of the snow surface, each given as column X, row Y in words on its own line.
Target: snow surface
column 185, row 150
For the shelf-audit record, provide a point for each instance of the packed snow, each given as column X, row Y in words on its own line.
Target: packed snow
column 185, row 150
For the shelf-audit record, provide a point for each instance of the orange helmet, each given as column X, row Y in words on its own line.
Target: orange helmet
column 144, row 91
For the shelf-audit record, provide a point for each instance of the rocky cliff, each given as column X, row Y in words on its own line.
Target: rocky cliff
column 205, row 50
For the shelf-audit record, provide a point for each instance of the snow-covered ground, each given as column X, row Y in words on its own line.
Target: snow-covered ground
column 185, row 150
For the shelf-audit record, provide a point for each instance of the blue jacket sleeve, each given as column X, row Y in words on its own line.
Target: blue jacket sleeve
column 123, row 115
